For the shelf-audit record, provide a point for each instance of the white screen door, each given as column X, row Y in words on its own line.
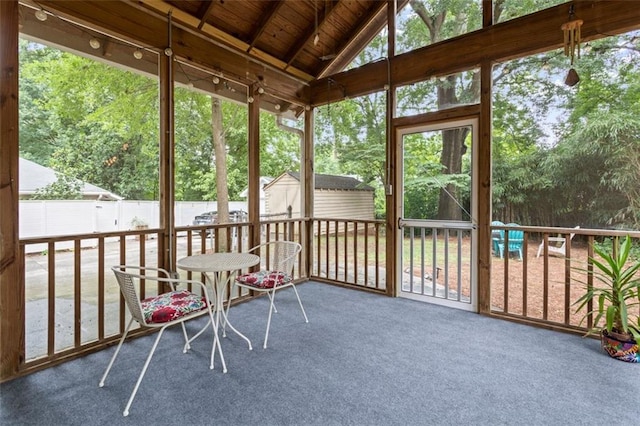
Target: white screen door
column 437, row 210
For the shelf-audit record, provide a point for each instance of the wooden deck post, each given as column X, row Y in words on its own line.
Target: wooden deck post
column 254, row 170
column 484, row 190
column 307, row 176
column 166, row 256
column 391, row 186
column 11, row 276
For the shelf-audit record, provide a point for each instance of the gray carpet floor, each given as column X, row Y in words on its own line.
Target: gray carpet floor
column 363, row 359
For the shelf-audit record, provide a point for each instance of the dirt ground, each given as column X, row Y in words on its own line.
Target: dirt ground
column 531, row 285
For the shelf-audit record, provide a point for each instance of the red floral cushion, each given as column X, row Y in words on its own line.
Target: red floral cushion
column 264, row 279
column 170, row 306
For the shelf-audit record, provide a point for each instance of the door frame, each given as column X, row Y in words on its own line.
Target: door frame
column 439, row 123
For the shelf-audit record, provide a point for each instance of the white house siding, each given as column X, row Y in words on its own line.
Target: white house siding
column 350, row 204
column 343, row 204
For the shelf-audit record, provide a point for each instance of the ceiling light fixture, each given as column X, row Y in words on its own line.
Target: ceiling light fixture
column 137, row 53
column 94, row 43
column 215, row 80
column 250, row 99
column 41, row 15
column 168, row 51
column 277, row 107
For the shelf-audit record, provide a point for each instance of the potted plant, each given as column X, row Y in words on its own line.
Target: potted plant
column 616, row 295
column 139, row 225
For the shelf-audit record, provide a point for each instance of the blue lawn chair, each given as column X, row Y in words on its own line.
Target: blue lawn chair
column 497, row 235
column 516, row 240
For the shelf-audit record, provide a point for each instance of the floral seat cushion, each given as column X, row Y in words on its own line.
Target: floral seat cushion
column 264, row 279
column 171, row 306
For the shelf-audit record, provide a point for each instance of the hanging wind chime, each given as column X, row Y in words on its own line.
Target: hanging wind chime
column 572, row 38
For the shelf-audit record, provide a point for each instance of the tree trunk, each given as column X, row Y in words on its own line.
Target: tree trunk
column 220, row 152
column 453, row 148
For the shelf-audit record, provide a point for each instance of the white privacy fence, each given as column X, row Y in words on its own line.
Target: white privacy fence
column 44, row 218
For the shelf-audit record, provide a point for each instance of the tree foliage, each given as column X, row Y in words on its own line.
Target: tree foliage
column 561, row 155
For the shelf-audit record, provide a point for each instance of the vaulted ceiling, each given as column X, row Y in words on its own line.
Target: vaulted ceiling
column 278, row 45
column 308, row 38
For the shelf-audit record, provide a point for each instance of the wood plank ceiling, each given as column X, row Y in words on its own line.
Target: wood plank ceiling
column 279, row 45
column 303, row 37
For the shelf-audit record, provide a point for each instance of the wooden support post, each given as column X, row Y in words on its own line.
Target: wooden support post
column 487, row 13
column 254, row 170
column 308, row 181
column 484, row 191
column 11, row 271
column 166, row 256
column 391, row 186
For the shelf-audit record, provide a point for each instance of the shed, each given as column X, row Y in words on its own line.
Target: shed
column 341, row 197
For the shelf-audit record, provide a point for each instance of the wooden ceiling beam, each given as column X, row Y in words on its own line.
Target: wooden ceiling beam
column 180, row 17
column 126, row 21
column 371, row 25
column 203, row 13
column 311, row 32
column 519, row 37
column 266, row 18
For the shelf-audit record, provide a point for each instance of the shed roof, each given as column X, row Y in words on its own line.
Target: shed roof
column 33, row 176
column 345, row 183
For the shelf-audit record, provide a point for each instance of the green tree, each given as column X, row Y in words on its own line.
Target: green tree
column 102, row 122
column 64, row 188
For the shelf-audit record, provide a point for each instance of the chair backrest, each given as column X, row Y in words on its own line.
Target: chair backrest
column 516, row 239
column 279, row 255
column 128, row 288
column 516, row 235
column 497, row 233
column 573, row 234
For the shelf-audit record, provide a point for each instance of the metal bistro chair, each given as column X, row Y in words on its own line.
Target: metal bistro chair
column 162, row 311
column 277, row 259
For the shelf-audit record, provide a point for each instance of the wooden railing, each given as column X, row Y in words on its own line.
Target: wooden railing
column 73, row 304
column 72, row 301
column 349, row 252
column 543, row 290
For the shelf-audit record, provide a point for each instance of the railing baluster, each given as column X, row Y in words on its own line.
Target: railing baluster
column 459, row 265
column 434, row 260
column 51, row 314
column 123, row 261
column 101, row 289
column 327, row 249
column 77, row 289
column 366, row 254
column 567, row 281
column 346, row 250
column 378, row 255
column 355, row 252
column 336, row 249
column 422, row 260
column 590, row 280
column 505, row 254
column 547, row 293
